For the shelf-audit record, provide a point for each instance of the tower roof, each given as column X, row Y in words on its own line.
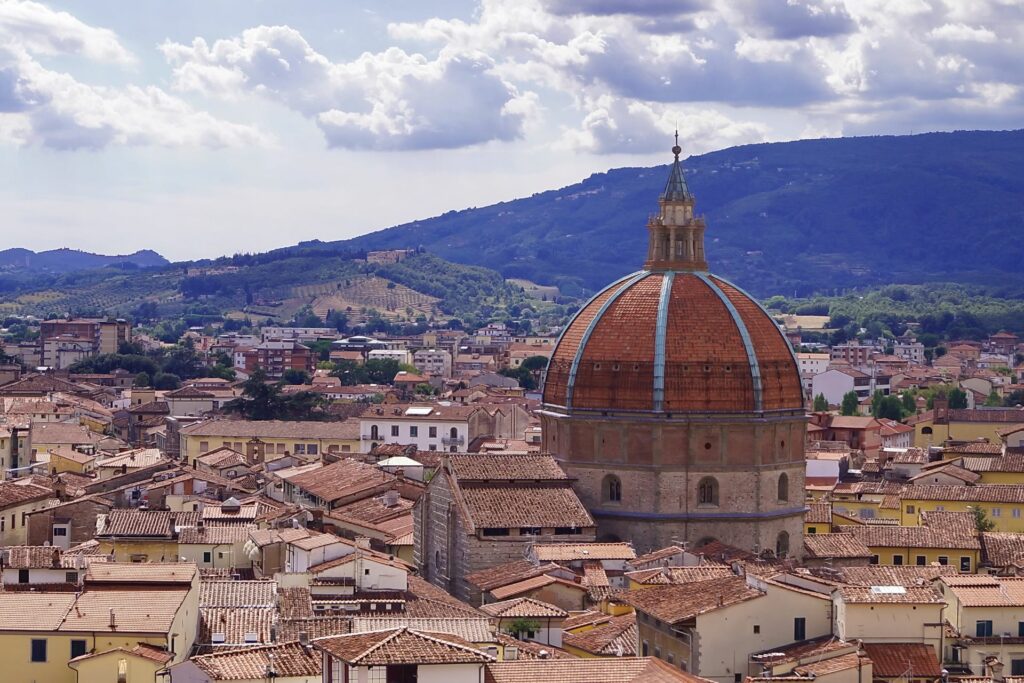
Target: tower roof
column 676, row 189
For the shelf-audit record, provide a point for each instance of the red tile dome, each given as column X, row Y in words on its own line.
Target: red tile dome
column 673, row 342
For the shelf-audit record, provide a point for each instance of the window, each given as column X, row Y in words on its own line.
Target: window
column 22, row 576
column 707, row 491
column 782, row 544
column 453, row 433
column 874, row 559
column 529, row 531
column 965, row 564
column 77, row 648
column 414, row 431
column 432, row 447
column 567, row 531
column 1016, row 513
column 657, row 652
column 645, row 649
column 38, row 650
column 757, row 628
column 495, row 531
column 71, row 577
column 812, row 530
column 432, row 432
column 204, row 446
column 799, row 628
column 312, row 449
column 612, row 489
column 207, row 557
column 983, row 628
column 783, row 486
column 943, row 560
column 1017, row 667
column 1020, row 629
column 996, row 512
column 394, row 430
column 374, row 432
column 910, row 509
column 897, row 560
column 671, row 659
column 300, row 449
column 926, row 430
column 920, row 560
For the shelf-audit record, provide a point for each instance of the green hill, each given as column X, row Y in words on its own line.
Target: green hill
column 793, row 218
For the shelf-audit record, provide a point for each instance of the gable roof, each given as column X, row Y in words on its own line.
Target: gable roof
column 675, row 603
column 835, row 545
column 284, row 659
column 523, row 607
column 401, row 646
column 894, row 660
column 499, row 467
column 616, row 637
column 591, row 670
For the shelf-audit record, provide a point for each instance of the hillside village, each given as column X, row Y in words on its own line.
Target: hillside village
column 304, row 505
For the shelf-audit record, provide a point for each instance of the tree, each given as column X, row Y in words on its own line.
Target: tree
column 850, row 403
column 820, row 403
column 876, row 402
column 890, row 408
column 259, row 400
column 521, row 375
column 141, row 380
column 521, row 627
column 295, row 376
column 909, row 403
column 957, row 399
column 994, row 399
column 981, row 521
column 534, row 363
column 166, row 380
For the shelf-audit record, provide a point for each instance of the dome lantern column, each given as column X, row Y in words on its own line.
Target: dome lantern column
column 675, row 235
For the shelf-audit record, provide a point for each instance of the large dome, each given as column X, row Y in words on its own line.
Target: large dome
column 673, row 342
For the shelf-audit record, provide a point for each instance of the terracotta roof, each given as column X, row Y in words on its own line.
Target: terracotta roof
column 953, row 523
column 24, row 611
column 253, row 663
column 223, row 457
column 1013, row 462
column 61, row 433
column 504, row 574
column 36, row 556
column 589, row 617
column 140, row 573
column 617, row 637
column 234, row 626
column 674, row 603
column 71, row 454
column 910, row 595
column 987, row 591
column 13, row 494
column 134, row 611
column 425, row 600
column 343, row 478
column 975, row 448
column 520, row 505
column 679, row 575
column 906, row 575
column 894, row 660
column 470, row 629
column 983, row 493
column 656, row 555
column 217, row 535
column 523, row 607
column 124, row 522
column 818, row 513
column 568, row 552
column 502, row 467
column 275, row 429
column 592, row 670
column 1003, row 549
column 604, row 358
column 238, row 594
column 401, row 646
column 829, row 666
column 951, row 470
column 140, row 457
column 835, row 545
column 529, row 649
column 911, row 537
column 526, row 585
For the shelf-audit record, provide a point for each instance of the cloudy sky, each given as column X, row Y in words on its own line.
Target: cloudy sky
column 203, row 127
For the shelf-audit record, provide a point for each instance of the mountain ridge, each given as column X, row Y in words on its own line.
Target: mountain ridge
column 66, row 260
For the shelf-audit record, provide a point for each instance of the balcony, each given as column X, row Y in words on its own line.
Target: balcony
column 453, row 440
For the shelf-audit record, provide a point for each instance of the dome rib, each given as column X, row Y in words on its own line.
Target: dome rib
column 571, row 383
column 748, row 343
column 660, row 331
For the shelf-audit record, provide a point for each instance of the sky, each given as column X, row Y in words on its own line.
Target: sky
column 206, row 127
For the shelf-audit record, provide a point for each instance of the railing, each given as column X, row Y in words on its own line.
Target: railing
column 453, row 440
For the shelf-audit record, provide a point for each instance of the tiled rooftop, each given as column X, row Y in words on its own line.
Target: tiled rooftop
column 893, row 660
column 284, row 659
column 675, row 603
column 835, row 546
column 617, row 637
column 524, row 608
column 593, row 670
column 500, row 467
column 520, row 505
column 568, row 552
column 402, row 646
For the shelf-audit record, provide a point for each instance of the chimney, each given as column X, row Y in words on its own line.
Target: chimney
column 304, row 639
column 363, row 542
column 113, row 620
column 391, row 498
column 201, row 526
column 55, row 558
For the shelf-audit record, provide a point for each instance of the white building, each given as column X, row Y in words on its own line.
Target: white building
column 300, row 334
column 434, row 362
column 811, row 364
column 837, row 382
column 434, row 427
column 401, row 355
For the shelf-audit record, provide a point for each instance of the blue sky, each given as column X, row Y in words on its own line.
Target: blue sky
column 202, row 128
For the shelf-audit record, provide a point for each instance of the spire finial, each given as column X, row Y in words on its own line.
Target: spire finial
column 676, row 149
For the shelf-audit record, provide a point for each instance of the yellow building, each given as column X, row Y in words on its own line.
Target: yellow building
column 918, row 545
column 143, row 535
column 257, row 439
column 942, row 424
column 1003, row 504
column 17, row 499
column 615, row 637
column 215, row 547
column 137, row 665
column 69, row 460
column 889, row 614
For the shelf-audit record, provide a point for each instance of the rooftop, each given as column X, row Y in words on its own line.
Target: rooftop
column 894, row 660
column 401, row 646
column 523, row 608
column 592, row 670
column 502, row 467
column 253, row 663
column 675, row 603
column 567, row 552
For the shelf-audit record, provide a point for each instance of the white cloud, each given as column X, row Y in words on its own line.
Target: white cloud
column 386, row 100
column 40, row 106
column 40, row 30
column 963, row 32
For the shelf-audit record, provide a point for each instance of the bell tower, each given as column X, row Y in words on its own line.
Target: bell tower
column 675, row 235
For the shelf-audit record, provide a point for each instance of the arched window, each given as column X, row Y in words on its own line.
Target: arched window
column 783, row 486
column 782, row 544
column 926, row 430
column 612, row 489
column 374, row 432
column 707, row 491
column 454, row 432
